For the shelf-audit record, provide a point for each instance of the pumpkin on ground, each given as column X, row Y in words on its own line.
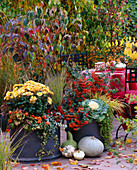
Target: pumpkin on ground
column 78, row 155
column 91, row 146
column 70, row 141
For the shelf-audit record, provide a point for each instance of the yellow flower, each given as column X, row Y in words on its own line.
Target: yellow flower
column 49, row 100
column 39, row 94
column 15, row 94
column 93, row 105
column 17, row 85
column 134, row 55
column 8, row 95
column 45, row 92
column 33, row 99
column 15, row 89
column 27, row 94
column 21, row 91
column 35, row 88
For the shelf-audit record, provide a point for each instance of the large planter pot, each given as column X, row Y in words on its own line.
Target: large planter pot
column 3, row 122
column 30, row 145
column 91, row 129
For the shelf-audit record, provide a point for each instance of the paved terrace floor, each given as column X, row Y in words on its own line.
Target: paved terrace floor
column 103, row 162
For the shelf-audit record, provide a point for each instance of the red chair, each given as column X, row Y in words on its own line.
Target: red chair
column 130, row 78
column 118, row 82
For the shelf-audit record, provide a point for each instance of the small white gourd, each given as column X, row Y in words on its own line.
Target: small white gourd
column 91, row 146
column 78, row 155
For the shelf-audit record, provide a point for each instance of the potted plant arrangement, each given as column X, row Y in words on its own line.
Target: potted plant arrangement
column 32, row 112
column 89, row 109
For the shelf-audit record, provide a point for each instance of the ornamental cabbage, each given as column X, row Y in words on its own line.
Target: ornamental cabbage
column 98, row 109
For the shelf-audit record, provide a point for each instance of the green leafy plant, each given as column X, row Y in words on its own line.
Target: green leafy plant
column 30, row 107
column 86, row 101
column 57, row 82
column 6, row 150
column 10, row 74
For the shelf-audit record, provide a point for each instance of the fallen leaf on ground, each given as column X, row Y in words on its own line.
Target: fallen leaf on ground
column 95, row 163
column 46, row 167
column 135, row 150
column 32, row 164
column 108, row 161
column 135, row 161
column 83, row 165
column 120, row 149
column 129, row 141
column 119, row 143
column 130, row 160
column 106, row 165
column 72, row 162
column 75, row 168
column 113, row 145
column 108, row 157
column 98, row 160
column 122, row 166
column 56, row 163
column 90, row 168
column 60, row 168
column 24, row 168
column 109, row 153
column 134, row 155
column 129, row 155
column 16, row 164
column 132, row 146
column 120, row 154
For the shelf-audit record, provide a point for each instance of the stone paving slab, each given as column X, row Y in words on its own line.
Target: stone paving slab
column 104, row 163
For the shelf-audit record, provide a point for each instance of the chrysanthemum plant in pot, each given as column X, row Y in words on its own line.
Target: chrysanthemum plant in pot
column 31, row 108
column 87, row 104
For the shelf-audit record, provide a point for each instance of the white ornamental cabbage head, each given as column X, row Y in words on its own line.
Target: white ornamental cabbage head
column 93, row 105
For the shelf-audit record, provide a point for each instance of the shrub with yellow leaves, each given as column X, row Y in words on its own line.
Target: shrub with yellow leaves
column 130, row 51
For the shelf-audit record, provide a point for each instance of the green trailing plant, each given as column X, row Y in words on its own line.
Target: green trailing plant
column 106, row 125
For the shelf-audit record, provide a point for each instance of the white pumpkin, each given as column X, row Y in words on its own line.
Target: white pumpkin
column 91, row 146
column 78, row 155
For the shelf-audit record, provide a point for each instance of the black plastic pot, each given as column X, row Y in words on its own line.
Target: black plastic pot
column 30, row 145
column 91, row 129
column 3, row 122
